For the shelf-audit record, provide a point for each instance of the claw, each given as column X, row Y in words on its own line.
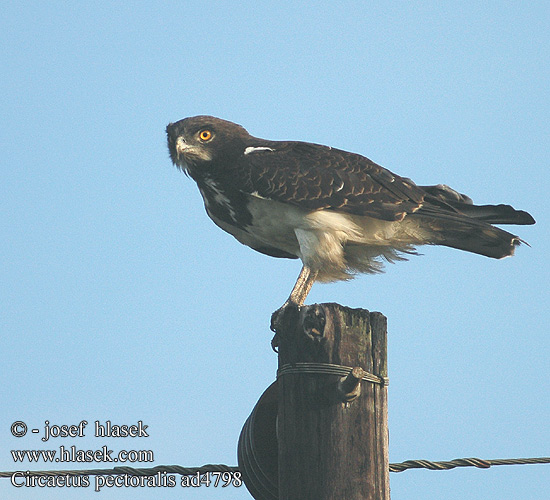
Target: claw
column 294, row 302
column 280, row 316
column 297, row 297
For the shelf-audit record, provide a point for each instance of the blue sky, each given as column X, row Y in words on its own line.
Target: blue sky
column 122, row 301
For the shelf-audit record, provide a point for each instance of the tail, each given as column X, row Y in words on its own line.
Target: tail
column 456, row 222
column 497, row 214
column 480, row 238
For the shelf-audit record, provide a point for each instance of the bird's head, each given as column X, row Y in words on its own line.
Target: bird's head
column 201, row 141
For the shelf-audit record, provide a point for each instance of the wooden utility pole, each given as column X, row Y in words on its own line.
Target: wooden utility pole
column 332, row 421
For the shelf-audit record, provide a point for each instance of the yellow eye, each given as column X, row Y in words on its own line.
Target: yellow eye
column 205, row 135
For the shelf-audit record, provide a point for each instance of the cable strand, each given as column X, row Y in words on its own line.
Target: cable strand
column 189, row 471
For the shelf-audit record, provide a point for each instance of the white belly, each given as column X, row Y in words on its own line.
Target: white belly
column 336, row 244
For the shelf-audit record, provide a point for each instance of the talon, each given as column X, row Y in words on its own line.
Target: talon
column 278, row 316
column 297, row 296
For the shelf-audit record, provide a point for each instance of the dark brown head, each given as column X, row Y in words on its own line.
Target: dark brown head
column 203, row 140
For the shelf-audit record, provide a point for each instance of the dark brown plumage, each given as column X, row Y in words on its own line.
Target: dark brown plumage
column 339, row 212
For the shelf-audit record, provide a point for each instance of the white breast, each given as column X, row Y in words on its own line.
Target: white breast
column 335, row 243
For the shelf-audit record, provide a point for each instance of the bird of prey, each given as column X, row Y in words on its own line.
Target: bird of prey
column 339, row 212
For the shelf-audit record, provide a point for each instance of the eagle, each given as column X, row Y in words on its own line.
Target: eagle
column 338, row 212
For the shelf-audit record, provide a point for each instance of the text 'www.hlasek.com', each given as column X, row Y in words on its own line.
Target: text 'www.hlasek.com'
column 70, row 453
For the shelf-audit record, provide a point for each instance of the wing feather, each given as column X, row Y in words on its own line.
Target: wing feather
column 318, row 177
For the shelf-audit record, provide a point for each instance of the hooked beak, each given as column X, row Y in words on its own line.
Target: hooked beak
column 184, row 154
column 181, row 147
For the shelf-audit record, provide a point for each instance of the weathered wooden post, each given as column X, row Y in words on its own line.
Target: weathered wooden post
column 332, row 421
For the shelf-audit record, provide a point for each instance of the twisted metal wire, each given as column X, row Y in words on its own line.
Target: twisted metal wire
column 329, row 369
column 189, row 471
column 132, row 471
column 465, row 462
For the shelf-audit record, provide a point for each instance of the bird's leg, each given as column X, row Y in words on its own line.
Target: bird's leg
column 297, row 296
column 303, row 285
